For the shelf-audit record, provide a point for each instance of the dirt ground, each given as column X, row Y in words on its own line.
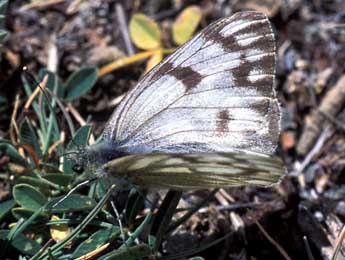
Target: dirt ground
column 303, row 215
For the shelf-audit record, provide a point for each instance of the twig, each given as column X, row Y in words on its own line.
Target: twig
column 93, row 253
column 38, row 90
column 40, row 4
column 338, row 243
column 53, row 60
column 269, row 238
column 116, row 101
column 13, row 125
column 128, row 60
column 123, row 62
column 121, row 18
column 331, row 105
column 317, row 147
column 73, row 7
column 334, row 121
column 307, row 246
column 77, row 116
column 232, row 207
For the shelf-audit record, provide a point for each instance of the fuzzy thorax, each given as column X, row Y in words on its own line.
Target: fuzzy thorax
column 94, row 156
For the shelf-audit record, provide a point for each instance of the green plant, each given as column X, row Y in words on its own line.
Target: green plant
column 83, row 223
column 3, row 32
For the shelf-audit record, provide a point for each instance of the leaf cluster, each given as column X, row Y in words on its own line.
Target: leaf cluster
column 35, row 222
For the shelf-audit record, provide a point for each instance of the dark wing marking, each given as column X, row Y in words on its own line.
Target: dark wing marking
column 226, row 69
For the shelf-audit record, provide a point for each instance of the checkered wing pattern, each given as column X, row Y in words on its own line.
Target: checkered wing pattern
column 214, row 94
column 208, row 112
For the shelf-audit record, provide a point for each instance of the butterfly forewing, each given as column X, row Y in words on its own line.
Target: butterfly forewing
column 196, row 171
column 214, row 94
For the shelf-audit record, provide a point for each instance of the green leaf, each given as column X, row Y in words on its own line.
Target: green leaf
column 6, row 207
column 3, row 5
column 28, row 136
column 135, row 204
column 77, row 230
column 145, row 32
column 96, row 240
column 129, row 253
column 28, row 197
column 11, row 151
column 186, row 24
column 80, row 82
column 54, row 82
column 80, row 138
column 164, row 215
column 59, row 179
column 2, row 18
column 73, row 202
column 35, row 182
column 22, row 243
column 3, row 35
column 22, row 213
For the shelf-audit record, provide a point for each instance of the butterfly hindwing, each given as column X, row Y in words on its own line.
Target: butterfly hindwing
column 196, row 171
column 214, row 94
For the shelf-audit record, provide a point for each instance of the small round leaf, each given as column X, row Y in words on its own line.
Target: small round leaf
column 186, row 24
column 73, row 202
column 96, row 240
column 80, row 82
column 59, row 232
column 145, row 32
column 28, row 197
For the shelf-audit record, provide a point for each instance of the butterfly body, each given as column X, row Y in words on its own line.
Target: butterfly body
column 206, row 116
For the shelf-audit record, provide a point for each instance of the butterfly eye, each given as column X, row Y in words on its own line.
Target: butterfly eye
column 78, row 168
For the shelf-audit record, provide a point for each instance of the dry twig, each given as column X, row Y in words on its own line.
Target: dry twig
column 331, row 105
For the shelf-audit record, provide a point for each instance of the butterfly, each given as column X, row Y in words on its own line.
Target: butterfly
column 205, row 117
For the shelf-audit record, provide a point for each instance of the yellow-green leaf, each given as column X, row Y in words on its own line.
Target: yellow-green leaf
column 186, row 24
column 59, row 231
column 145, row 32
column 154, row 60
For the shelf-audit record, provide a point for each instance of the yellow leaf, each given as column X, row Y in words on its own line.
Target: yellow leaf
column 154, row 60
column 186, row 24
column 145, row 32
column 93, row 253
column 59, row 231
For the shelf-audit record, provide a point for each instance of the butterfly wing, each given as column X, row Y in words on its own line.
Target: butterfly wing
column 214, row 94
column 195, row 171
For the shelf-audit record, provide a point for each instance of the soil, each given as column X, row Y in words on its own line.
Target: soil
column 305, row 213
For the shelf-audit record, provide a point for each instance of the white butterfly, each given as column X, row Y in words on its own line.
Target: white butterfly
column 206, row 116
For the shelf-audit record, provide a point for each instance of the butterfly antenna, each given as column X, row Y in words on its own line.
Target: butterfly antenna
column 78, row 186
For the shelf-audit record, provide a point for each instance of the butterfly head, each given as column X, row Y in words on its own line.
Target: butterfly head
column 91, row 158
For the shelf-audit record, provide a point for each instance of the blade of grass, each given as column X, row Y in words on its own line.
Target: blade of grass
column 196, row 250
column 190, row 212
column 64, row 112
column 19, row 228
column 138, row 231
column 163, row 217
column 59, row 246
